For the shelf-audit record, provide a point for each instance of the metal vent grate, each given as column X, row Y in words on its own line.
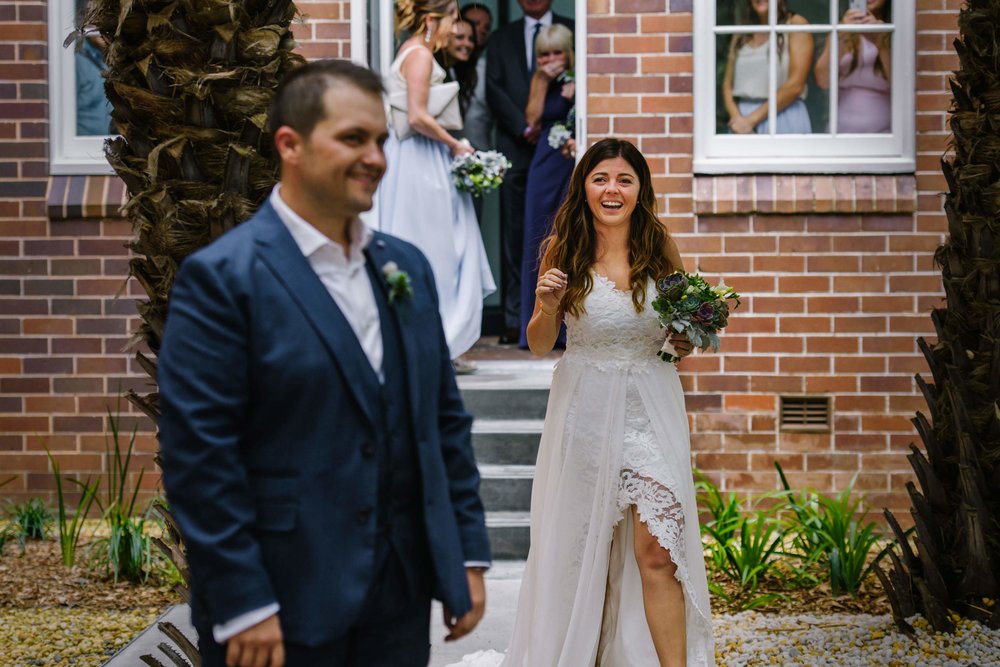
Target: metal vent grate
column 805, row 413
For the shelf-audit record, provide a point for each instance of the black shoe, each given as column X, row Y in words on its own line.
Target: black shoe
column 509, row 337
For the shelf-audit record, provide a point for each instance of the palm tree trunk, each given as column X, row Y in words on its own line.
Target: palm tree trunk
column 953, row 567
column 189, row 82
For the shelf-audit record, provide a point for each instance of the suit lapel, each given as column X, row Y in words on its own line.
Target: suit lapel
column 522, row 51
column 278, row 250
column 378, row 255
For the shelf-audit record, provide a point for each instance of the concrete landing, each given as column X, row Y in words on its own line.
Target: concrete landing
column 502, row 584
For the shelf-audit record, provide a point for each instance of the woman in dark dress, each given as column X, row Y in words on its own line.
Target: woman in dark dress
column 550, row 101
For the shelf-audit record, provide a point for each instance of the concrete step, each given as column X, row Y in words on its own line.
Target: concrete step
column 506, row 488
column 506, row 442
column 507, row 389
column 509, row 534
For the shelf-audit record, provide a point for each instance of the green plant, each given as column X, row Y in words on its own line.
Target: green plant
column 747, row 556
column 127, row 550
column 830, row 532
column 31, row 520
column 726, row 514
column 70, row 529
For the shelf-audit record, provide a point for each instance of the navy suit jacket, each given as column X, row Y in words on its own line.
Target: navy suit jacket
column 268, row 406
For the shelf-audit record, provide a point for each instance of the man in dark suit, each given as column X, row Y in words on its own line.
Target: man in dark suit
column 316, row 452
column 508, row 80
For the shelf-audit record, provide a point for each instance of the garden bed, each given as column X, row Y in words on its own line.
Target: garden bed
column 53, row 615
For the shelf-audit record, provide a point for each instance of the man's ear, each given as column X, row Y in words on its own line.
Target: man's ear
column 288, row 143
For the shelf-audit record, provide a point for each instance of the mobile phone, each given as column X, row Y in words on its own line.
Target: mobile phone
column 859, row 6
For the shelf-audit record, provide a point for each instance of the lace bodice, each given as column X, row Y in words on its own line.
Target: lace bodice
column 610, row 333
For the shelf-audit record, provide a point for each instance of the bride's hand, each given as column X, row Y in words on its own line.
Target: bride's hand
column 682, row 344
column 550, row 290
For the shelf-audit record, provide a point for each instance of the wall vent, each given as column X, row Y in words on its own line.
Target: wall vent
column 805, row 413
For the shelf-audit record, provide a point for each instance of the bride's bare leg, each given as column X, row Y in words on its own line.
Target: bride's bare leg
column 662, row 596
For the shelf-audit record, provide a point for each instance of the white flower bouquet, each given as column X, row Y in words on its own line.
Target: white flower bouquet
column 480, row 172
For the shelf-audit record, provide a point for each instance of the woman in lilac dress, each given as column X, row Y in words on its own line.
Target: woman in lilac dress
column 864, row 101
column 550, row 101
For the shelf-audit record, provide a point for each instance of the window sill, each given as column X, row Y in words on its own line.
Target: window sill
column 85, row 197
column 805, row 193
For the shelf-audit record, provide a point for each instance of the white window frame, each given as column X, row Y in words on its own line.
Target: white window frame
column 805, row 153
column 359, row 51
column 69, row 154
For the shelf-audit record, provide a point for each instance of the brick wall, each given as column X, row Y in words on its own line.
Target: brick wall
column 837, row 291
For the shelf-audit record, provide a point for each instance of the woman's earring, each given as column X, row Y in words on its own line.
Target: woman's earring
column 428, row 34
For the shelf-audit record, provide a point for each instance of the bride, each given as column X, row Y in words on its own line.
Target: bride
column 616, row 575
column 417, row 200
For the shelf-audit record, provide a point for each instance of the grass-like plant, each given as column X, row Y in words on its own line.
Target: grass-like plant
column 748, row 557
column 70, row 529
column 743, row 548
column 832, row 532
column 127, row 550
column 726, row 514
column 31, row 520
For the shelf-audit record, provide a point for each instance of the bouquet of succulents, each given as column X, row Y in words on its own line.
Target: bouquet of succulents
column 480, row 172
column 685, row 303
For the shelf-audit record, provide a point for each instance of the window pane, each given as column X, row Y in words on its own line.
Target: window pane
column 879, row 10
column 817, row 85
column 864, row 102
column 745, row 59
column 733, row 12
column 93, row 111
column 744, row 98
column 816, row 12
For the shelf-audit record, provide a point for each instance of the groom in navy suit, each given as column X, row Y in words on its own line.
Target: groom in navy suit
column 316, row 452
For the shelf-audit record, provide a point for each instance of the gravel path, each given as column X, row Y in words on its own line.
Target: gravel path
column 62, row 636
column 750, row 639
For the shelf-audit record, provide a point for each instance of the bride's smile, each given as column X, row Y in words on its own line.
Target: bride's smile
column 612, row 192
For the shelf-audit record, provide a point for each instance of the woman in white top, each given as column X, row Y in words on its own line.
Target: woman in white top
column 417, row 200
column 864, row 101
column 745, row 85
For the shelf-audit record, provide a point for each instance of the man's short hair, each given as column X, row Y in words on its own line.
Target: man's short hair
column 298, row 102
column 476, row 5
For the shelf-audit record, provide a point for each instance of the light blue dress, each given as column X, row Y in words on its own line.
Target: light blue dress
column 418, row 202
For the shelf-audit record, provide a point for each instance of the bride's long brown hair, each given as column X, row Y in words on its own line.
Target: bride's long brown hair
column 572, row 245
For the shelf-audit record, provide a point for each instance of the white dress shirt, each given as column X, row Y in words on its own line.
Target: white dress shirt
column 344, row 276
column 529, row 33
column 346, row 279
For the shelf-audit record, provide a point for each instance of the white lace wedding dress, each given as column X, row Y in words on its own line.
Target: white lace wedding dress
column 615, row 436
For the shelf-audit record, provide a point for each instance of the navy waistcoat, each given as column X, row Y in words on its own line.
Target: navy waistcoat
column 399, row 511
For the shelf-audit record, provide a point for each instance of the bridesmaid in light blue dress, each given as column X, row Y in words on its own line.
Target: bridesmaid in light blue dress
column 417, row 200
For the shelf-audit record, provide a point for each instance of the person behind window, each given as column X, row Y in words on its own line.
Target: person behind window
column 551, row 100
column 864, row 103
column 93, row 111
column 745, row 84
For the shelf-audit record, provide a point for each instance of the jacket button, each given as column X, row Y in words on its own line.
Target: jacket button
column 364, row 515
column 368, row 449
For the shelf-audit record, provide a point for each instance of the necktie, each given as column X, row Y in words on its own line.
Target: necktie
column 534, row 39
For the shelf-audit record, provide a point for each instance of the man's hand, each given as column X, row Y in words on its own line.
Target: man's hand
column 257, row 646
column 459, row 627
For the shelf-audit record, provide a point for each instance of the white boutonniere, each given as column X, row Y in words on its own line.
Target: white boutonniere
column 398, row 282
